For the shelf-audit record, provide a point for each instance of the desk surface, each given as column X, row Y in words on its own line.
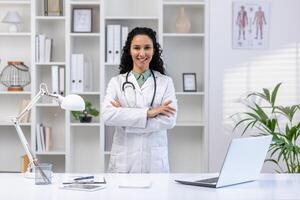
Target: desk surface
column 268, row 186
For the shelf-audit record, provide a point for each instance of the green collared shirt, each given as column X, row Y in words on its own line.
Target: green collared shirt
column 141, row 78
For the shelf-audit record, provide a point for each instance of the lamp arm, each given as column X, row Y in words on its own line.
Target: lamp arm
column 16, row 121
column 31, row 157
column 24, row 142
column 30, row 105
column 43, row 91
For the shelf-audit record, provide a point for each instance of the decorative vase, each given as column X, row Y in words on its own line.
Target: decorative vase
column 183, row 23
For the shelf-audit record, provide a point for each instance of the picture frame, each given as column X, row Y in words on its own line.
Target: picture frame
column 82, row 20
column 250, row 24
column 53, row 7
column 189, row 82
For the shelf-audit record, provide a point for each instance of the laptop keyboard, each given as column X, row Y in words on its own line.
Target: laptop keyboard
column 209, row 180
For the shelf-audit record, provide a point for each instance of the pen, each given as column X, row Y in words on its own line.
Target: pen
column 83, row 178
column 67, row 183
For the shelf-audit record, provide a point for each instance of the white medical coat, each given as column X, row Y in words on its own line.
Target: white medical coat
column 140, row 144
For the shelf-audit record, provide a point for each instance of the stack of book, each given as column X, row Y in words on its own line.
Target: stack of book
column 43, row 138
column 43, row 46
column 116, row 38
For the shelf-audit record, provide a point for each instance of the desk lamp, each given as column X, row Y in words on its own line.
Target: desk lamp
column 71, row 102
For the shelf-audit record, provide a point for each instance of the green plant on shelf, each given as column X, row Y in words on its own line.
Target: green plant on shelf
column 86, row 115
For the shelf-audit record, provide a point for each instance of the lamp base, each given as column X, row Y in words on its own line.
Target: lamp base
column 12, row 28
column 15, row 89
column 30, row 175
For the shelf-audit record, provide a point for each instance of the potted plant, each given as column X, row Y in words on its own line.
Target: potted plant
column 85, row 116
column 268, row 118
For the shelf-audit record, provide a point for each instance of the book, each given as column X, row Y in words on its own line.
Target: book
column 48, row 49
column 93, row 183
column 24, row 163
column 48, row 138
column 42, row 39
column 42, row 138
column 37, row 48
column 83, row 187
column 38, row 137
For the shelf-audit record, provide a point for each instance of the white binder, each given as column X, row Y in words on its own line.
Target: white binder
column 73, row 72
column 80, row 73
column 48, row 49
column 117, row 44
column 62, row 81
column 109, row 44
column 54, row 73
column 124, row 35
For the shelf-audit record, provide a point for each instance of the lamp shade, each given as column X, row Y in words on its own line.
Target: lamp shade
column 72, row 102
column 12, row 17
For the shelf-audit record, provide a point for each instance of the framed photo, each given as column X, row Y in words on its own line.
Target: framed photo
column 250, row 24
column 53, row 7
column 82, row 20
column 189, row 82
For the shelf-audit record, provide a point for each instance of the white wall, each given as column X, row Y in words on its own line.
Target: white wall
column 234, row 72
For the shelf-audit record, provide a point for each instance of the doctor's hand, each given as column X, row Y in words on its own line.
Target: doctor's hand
column 164, row 109
column 116, row 103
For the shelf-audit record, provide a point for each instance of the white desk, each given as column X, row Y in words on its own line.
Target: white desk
column 269, row 186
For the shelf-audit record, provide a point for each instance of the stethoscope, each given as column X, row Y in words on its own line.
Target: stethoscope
column 129, row 94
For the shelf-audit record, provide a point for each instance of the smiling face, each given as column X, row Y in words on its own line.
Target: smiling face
column 141, row 51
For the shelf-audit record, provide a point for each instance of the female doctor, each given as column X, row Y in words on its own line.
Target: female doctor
column 141, row 104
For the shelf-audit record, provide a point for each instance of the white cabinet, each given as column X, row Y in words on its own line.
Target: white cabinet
column 85, row 147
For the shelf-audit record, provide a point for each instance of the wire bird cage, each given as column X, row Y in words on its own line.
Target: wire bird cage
column 15, row 76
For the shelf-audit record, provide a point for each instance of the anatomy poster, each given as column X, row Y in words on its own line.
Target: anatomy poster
column 250, row 25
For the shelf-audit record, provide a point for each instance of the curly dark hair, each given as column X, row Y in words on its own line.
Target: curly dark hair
column 156, row 63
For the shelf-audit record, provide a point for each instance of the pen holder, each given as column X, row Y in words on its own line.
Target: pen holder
column 43, row 174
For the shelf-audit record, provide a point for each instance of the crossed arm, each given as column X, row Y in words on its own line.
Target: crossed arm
column 140, row 120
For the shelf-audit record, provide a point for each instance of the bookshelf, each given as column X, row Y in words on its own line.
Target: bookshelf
column 85, row 147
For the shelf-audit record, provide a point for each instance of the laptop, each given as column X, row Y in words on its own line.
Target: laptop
column 243, row 162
